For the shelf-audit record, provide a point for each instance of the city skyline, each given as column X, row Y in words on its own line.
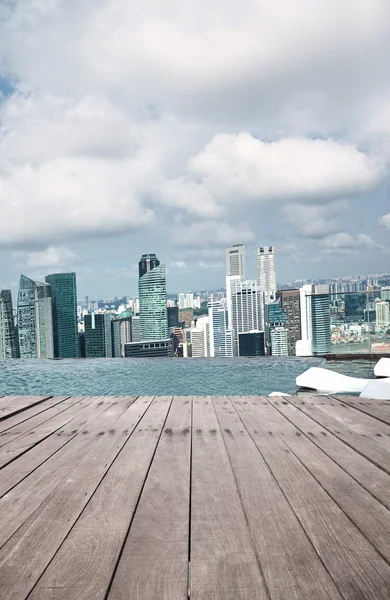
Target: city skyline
column 282, row 139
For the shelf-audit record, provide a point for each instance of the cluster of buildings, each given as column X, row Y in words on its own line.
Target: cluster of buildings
column 251, row 318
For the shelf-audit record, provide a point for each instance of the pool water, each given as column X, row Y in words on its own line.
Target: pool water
column 160, row 377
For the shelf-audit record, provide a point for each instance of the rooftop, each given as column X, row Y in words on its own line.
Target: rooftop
column 223, row 498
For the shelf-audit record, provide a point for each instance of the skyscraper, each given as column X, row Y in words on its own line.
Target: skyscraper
column 8, row 333
column 64, row 296
column 152, row 294
column 266, row 272
column 147, row 263
column 382, row 311
column 289, row 301
column 235, row 261
column 200, row 338
column 315, row 321
column 275, row 317
column 279, row 342
column 35, row 319
column 98, row 335
column 247, row 308
column 221, row 337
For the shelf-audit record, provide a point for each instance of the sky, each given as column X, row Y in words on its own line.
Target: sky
column 173, row 127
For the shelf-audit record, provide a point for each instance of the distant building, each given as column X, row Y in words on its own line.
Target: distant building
column 173, row 316
column 279, row 341
column 315, row 321
column 235, row 261
column 266, row 272
column 221, row 337
column 149, row 349
column 64, row 297
column 382, row 310
column 385, row 293
column 251, row 343
column 9, row 347
column 35, row 319
column 116, row 339
column 200, row 340
column 136, row 328
column 247, row 308
column 152, row 299
column 275, row 317
column 178, row 337
column 290, row 303
column 98, row 335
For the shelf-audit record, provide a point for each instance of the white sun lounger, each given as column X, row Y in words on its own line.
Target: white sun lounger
column 323, row 380
column 382, row 368
column 377, row 389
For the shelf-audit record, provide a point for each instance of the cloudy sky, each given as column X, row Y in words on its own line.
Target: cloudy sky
column 131, row 126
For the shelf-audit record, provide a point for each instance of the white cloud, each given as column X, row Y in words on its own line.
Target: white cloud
column 52, row 256
column 346, row 242
column 315, row 221
column 385, row 221
column 212, row 233
column 178, row 264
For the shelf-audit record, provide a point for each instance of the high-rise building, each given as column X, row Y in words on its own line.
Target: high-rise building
column 385, row 293
column 221, row 337
column 200, row 338
column 136, row 328
column 98, row 335
column 279, row 341
column 315, row 321
column 9, row 347
column 247, row 308
column 173, row 316
column 290, row 303
column 251, row 343
column 116, row 339
column 152, row 299
column 64, row 297
column 382, row 310
column 35, row 319
column 147, row 263
column 266, row 272
column 235, row 261
column 275, row 317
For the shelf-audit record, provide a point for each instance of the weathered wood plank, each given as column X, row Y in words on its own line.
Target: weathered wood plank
column 353, row 419
column 374, row 480
column 354, row 565
column 366, row 447
column 16, row 404
column 17, row 505
column 77, row 572
column 26, row 555
column 28, row 440
column 369, row 515
column 223, row 560
column 379, row 409
column 292, row 570
column 37, row 421
column 20, row 417
column 154, row 561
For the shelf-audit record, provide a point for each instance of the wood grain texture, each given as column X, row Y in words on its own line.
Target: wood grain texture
column 11, row 405
column 379, row 409
column 224, row 565
column 84, row 564
column 20, row 417
column 27, row 553
column 293, row 571
column 338, row 542
column 360, row 443
column 154, row 561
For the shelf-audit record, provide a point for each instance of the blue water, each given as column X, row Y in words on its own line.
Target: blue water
column 151, row 376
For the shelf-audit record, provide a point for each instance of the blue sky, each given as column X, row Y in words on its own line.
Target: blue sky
column 181, row 128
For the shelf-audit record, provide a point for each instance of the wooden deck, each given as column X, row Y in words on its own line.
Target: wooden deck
column 223, row 498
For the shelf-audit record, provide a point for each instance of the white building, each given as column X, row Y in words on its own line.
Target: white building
column 221, row 337
column 186, row 300
column 279, row 341
column 235, row 261
column 385, row 293
column 200, row 340
column 382, row 310
column 247, row 308
column 315, row 321
column 266, row 272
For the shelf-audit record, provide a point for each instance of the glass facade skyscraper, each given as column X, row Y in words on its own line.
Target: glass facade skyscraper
column 9, row 347
column 147, row 263
column 64, row 296
column 35, row 321
column 152, row 293
column 98, row 335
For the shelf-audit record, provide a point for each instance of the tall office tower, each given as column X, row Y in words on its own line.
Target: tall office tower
column 251, row 343
column 235, row 261
column 235, row 271
column 136, row 328
column 152, row 293
column 8, row 334
column 221, row 337
column 266, row 272
column 98, row 335
column 116, row 338
column 173, row 316
column 247, row 309
column 44, row 321
column 274, row 317
column 382, row 310
column 125, row 333
column 279, row 341
column 182, row 300
column 290, row 303
column 35, row 319
column 64, row 296
column 147, row 263
column 200, row 338
column 315, row 321
column 385, row 293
